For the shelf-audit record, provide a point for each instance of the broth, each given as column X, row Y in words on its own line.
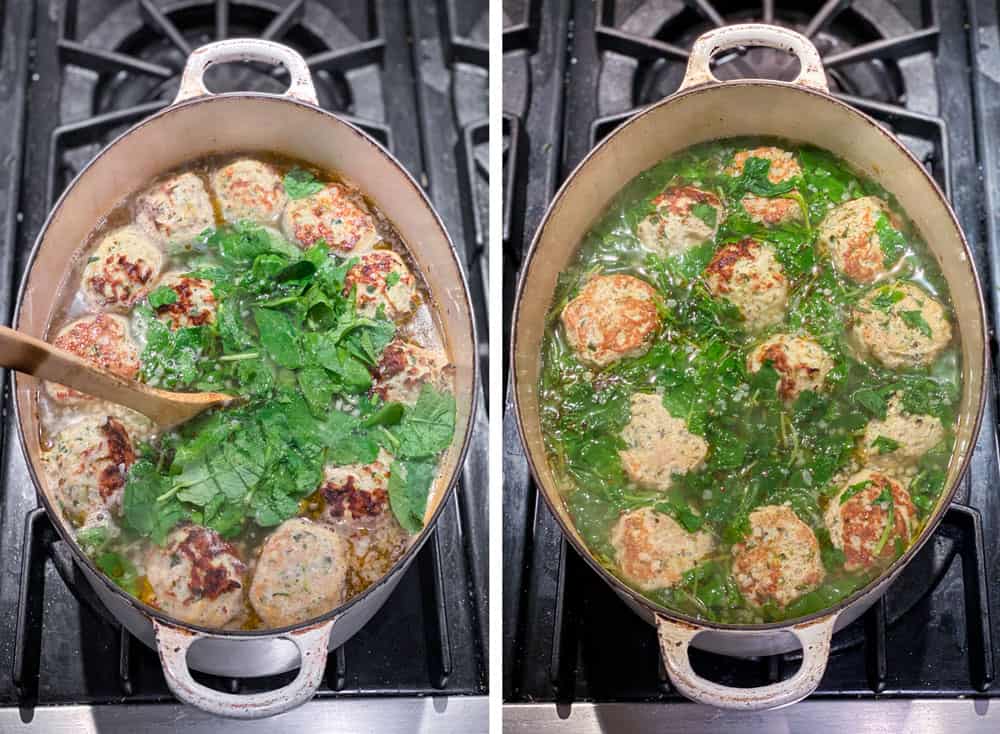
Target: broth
column 318, row 481
column 759, row 483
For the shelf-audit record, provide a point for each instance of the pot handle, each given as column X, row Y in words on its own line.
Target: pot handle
column 707, row 45
column 676, row 637
column 172, row 644
column 245, row 49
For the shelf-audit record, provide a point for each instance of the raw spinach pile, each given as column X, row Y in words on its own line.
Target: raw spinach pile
column 762, row 451
column 289, row 340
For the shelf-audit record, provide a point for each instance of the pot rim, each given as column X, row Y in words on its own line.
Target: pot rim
column 945, row 500
column 404, row 560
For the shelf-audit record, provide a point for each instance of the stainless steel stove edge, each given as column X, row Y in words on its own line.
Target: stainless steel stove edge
column 404, row 715
column 885, row 716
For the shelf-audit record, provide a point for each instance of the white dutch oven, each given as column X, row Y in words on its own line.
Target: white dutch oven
column 199, row 123
column 702, row 110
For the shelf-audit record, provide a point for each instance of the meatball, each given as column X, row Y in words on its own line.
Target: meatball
column 653, row 551
column 801, row 363
column 175, row 210
column 896, row 444
column 858, row 519
column 120, row 270
column 613, row 317
column 762, row 209
column 197, row 577
column 102, row 340
column 405, row 368
column 356, row 492
column 300, row 574
column 335, row 215
column 249, row 189
column 900, row 325
column 658, row 445
column 779, row 560
column 685, row 217
column 381, row 278
column 748, row 275
column 195, row 304
column 87, row 466
column 848, row 233
column 356, row 502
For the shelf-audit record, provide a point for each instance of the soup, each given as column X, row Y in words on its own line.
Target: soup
column 270, row 280
column 749, row 382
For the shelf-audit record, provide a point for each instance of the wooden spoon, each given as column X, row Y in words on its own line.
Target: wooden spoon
column 167, row 409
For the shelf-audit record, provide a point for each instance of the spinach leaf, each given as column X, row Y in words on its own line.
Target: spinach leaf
column 300, row 183
column 92, row 540
column 346, row 440
column 351, row 374
column 317, row 388
column 144, row 510
column 235, row 335
column 833, row 557
column 427, row 427
column 409, row 486
column 885, row 445
column 682, row 513
column 162, row 296
column 873, row 400
column 120, row 570
column 887, row 298
column 224, row 517
column 706, row 213
column 279, row 337
column 754, row 180
column 705, row 591
column 927, row 396
column 298, row 270
column 364, row 338
column 240, row 244
column 891, row 240
column 853, row 490
column 172, row 358
column 915, row 320
column 388, row 414
column 272, row 507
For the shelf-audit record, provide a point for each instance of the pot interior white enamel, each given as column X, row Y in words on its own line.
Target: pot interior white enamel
column 268, row 124
column 712, row 112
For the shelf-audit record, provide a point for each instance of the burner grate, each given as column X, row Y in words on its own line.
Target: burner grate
column 875, row 59
column 129, row 68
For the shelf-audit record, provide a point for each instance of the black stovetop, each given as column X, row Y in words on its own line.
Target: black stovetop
column 930, row 71
column 74, row 74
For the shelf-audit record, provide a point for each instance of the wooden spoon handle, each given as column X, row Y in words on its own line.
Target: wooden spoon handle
column 34, row 357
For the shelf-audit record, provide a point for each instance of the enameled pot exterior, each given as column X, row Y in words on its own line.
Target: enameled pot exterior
column 703, row 110
column 196, row 125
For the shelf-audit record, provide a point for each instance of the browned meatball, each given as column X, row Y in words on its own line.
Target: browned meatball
column 197, row 577
column 858, row 516
column 405, row 368
column 104, row 341
column 613, row 317
column 779, row 560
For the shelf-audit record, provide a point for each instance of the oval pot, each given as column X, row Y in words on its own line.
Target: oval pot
column 198, row 124
column 705, row 109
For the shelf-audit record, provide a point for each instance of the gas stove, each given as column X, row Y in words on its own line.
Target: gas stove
column 75, row 74
column 928, row 71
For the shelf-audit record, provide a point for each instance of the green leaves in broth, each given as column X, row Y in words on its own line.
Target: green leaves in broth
column 763, row 449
